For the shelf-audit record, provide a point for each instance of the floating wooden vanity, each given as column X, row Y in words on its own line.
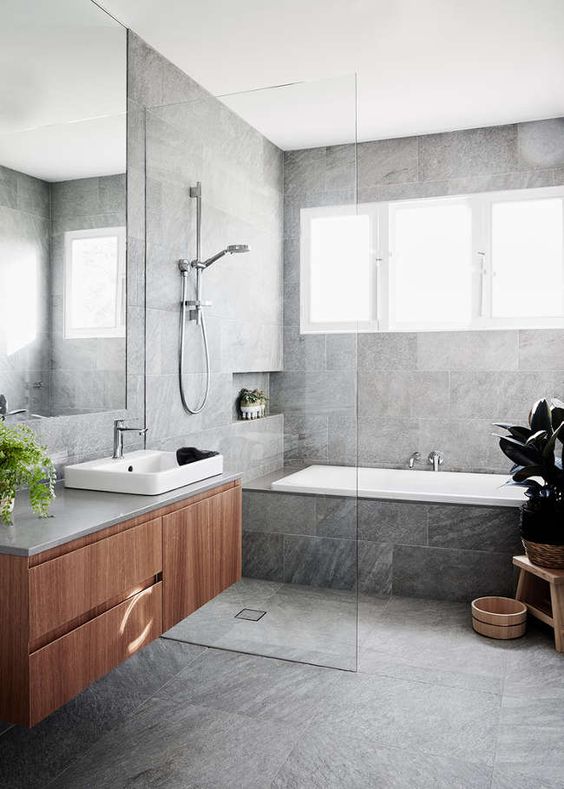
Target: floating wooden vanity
column 73, row 612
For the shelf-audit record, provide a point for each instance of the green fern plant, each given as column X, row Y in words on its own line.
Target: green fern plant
column 24, row 463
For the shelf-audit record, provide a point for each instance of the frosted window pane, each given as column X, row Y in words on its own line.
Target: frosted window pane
column 431, row 264
column 527, row 258
column 339, row 269
column 94, row 282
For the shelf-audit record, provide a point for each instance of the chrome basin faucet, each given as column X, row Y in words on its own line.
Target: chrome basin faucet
column 436, row 459
column 119, row 430
column 415, row 458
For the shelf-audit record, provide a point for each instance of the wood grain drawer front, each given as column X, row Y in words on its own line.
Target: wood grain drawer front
column 65, row 588
column 226, row 524
column 62, row 669
column 201, row 554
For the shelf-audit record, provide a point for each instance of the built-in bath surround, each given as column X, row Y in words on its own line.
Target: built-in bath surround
column 410, row 541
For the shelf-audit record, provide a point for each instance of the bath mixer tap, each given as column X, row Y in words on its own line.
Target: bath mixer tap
column 436, row 459
column 415, row 458
column 119, row 430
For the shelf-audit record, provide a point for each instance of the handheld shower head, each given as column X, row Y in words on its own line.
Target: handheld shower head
column 232, row 249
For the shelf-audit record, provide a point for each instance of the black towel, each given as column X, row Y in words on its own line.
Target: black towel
column 186, row 455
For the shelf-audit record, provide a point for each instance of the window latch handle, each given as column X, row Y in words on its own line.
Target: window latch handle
column 483, row 284
column 378, row 260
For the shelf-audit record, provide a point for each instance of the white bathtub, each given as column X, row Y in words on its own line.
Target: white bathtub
column 449, row 487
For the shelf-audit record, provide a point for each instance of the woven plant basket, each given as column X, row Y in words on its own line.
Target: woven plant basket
column 544, row 555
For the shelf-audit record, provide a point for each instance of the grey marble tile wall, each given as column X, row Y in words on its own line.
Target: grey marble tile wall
column 24, row 265
column 447, row 389
column 189, row 136
column 451, row 552
column 300, row 539
column 418, row 391
column 317, row 390
column 87, row 374
column 317, row 393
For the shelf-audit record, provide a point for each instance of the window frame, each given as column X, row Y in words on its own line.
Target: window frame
column 393, row 324
column 307, row 326
column 381, row 279
column 488, row 320
column 119, row 328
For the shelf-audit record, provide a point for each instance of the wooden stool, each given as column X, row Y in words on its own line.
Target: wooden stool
column 542, row 591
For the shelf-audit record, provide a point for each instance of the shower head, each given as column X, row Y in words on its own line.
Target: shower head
column 230, row 250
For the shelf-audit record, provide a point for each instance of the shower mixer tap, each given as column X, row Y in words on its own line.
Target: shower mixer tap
column 194, row 305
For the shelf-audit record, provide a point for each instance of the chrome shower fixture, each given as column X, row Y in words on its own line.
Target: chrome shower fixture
column 196, row 306
column 232, row 249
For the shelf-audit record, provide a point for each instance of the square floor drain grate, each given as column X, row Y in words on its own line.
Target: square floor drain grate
column 250, row 614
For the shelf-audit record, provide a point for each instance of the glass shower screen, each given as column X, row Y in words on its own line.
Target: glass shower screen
column 277, row 172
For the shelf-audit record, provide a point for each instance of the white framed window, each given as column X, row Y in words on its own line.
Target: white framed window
column 95, row 289
column 335, row 267
column 491, row 260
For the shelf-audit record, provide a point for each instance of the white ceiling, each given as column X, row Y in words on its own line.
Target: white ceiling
column 65, row 151
column 63, row 89
column 422, row 65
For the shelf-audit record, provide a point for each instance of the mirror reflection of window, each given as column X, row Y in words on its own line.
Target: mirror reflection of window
column 19, row 296
column 95, row 283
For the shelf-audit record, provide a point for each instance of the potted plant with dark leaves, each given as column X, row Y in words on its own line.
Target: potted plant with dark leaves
column 24, row 463
column 537, row 452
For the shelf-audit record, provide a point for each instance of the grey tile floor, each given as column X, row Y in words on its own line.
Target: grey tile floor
column 433, row 705
column 303, row 623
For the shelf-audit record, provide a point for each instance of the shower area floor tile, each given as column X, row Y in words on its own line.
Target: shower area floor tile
column 302, row 623
column 402, row 637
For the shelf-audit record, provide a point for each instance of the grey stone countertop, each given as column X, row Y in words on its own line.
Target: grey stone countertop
column 75, row 513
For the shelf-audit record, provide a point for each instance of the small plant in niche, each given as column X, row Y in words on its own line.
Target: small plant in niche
column 252, row 403
column 537, row 452
column 24, row 463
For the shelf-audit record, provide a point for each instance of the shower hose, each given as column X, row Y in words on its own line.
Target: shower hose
column 202, row 324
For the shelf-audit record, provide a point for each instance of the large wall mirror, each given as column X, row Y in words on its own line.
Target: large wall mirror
column 62, row 210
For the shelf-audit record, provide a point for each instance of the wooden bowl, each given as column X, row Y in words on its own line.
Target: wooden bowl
column 499, row 617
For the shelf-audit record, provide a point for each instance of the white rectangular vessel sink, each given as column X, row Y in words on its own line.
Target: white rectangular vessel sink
column 147, row 472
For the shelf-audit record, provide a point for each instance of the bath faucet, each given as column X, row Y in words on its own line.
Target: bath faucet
column 119, row 430
column 415, row 458
column 436, row 459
